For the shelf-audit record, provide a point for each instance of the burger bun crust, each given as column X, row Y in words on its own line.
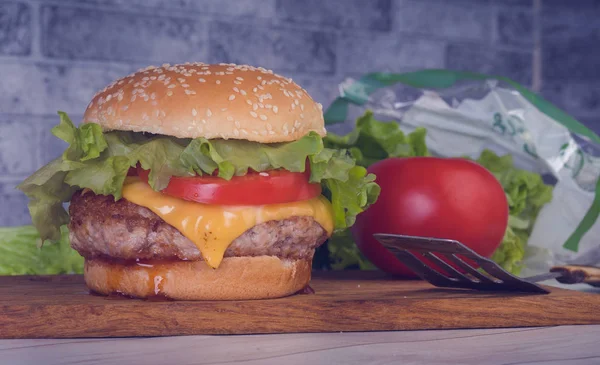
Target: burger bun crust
column 194, row 100
column 237, row 278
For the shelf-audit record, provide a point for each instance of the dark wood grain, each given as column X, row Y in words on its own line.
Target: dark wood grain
column 61, row 307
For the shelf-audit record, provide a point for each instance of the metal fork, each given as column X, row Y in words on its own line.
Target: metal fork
column 493, row 277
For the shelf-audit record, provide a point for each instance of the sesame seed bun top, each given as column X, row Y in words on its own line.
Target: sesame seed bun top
column 207, row 100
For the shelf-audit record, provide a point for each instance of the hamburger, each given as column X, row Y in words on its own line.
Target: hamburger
column 198, row 182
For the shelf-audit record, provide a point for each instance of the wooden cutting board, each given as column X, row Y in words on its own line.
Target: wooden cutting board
column 61, row 307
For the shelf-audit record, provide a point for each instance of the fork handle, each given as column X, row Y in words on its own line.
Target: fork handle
column 574, row 274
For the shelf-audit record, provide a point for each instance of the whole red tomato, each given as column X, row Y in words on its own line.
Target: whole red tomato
column 434, row 197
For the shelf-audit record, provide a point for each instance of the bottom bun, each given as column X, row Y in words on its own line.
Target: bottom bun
column 236, row 278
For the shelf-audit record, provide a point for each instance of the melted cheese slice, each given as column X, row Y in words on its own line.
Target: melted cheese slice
column 214, row 227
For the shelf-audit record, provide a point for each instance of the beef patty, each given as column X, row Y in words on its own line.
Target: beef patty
column 103, row 228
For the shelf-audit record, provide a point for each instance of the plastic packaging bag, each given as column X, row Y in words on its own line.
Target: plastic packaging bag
column 465, row 113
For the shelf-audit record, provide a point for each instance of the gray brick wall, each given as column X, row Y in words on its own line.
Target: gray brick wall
column 54, row 54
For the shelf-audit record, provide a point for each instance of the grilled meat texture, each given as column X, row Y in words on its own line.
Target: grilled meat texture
column 103, row 228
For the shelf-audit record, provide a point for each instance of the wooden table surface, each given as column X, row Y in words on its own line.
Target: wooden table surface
column 561, row 345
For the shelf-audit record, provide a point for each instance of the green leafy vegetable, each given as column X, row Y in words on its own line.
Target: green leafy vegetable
column 21, row 254
column 526, row 193
column 371, row 141
column 100, row 161
column 345, row 254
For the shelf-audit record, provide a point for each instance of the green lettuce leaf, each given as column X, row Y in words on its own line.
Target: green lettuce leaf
column 372, row 140
column 526, row 193
column 345, row 255
column 21, row 254
column 85, row 143
column 100, row 161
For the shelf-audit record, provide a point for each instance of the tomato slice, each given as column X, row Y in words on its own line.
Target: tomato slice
column 254, row 188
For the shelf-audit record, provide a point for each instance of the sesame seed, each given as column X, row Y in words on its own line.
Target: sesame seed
column 153, row 96
column 237, row 82
column 236, row 89
column 237, row 124
column 120, row 97
column 269, row 126
column 223, row 109
column 254, row 114
column 108, row 97
column 201, row 80
column 203, row 121
column 208, row 113
column 132, row 98
column 258, row 78
column 254, row 90
column 156, row 113
column 302, row 107
column 194, row 112
column 244, row 131
column 263, row 117
column 236, row 132
column 239, row 78
column 275, row 109
column 218, row 82
column 248, row 102
column 190, row 92
column 297, row 124
column 230, row 118
column 263, row 174
column 169, row 93
column 171, row 86
column 185, row 85
column 180, row 79
column 296, row 101
column 243, row 92
column 260, row 87
column 152, row 77
column 320, row 106
column 124, row 107
column 231, row 97
column 255, row 107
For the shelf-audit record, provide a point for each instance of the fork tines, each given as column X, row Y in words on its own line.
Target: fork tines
column 438, row 262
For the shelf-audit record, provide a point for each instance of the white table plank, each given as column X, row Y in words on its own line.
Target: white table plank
column 553, row 345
